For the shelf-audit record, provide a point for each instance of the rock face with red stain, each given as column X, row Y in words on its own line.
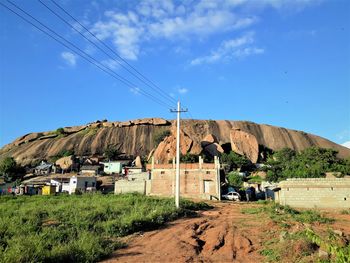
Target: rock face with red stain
column 245, row 143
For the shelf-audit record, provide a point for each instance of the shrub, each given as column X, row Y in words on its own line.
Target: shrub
column 60, row 131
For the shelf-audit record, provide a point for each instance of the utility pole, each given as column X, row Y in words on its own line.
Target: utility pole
column 177, row 177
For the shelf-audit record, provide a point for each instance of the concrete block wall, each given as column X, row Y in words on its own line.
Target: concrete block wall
column 125, row 186
column 315, row 193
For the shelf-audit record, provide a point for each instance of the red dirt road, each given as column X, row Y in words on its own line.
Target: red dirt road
column 222, row 234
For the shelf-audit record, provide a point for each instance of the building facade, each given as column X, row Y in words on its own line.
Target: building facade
column 197, row 180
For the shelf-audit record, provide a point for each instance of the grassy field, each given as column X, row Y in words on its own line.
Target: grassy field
column 80, row 228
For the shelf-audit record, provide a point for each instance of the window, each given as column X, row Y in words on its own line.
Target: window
column 207, row 172
column 162, row 172
column 186, row 172
column 93, row 184
column 74, row 182
column 332, row 188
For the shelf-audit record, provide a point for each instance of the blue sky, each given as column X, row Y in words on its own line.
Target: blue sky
column 284, row 63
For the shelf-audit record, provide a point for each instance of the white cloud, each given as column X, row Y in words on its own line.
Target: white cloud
column 346, row 144
column 237, row 47
column 135, row 91
column 182, row 90
column 152, row 20
column 69, row 58
column 110, row 63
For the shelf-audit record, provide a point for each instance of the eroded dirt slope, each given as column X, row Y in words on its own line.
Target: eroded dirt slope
column 218, row 235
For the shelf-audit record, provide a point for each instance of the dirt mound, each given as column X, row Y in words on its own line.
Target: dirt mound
column 137, row 138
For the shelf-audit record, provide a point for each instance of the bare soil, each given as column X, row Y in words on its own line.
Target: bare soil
column 222, row 234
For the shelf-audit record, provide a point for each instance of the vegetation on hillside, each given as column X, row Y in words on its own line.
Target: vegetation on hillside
column 78, row 228
column 312, row 162
column 112, row 153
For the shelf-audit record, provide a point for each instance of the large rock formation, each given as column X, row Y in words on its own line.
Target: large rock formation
column 211, row 146
column 137, row 138
column 245, row 144
column 166, row 150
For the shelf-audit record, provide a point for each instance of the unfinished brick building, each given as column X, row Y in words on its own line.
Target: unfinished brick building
column 197, row 180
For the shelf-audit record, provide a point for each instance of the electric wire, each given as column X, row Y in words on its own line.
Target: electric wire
column 138, row 74
column 85, row 56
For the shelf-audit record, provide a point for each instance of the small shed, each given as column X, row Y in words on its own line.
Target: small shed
column 43, row 168
column 49, row 190
column 114, row 166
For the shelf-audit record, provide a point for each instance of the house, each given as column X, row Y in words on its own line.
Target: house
column 128, row 170
column 81, row 184
column 90, row 169
column 314, row 193
column 43, row 169
column 197, row 180
column 114, row 166
column 61, row 184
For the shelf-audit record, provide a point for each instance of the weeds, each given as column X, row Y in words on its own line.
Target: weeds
column 81, row 228
column 345, row 212
column 283, row 214
column 331, row 244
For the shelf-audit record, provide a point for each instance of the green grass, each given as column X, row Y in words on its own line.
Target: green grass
column 81, row 228
column 280, row 247
column 345, row 212
column 282, row 214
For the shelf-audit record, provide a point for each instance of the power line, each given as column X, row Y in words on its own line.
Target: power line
column 138, row 74
column 86, row 56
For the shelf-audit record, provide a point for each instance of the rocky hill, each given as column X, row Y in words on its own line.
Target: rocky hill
column 137, row 138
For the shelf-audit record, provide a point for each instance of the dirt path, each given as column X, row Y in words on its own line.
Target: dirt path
column 222, row 234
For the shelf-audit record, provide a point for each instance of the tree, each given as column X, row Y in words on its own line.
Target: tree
column 235, row 180
column 112, row 153
column 234, row 160
column 189, row 158
column 312, row 162
column 10, row 170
